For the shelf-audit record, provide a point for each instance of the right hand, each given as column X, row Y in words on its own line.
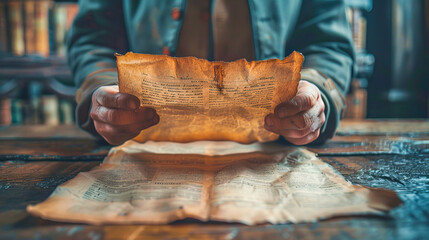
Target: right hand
column 117, row 116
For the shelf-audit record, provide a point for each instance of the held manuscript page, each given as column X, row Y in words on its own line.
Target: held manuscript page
column 201, row 100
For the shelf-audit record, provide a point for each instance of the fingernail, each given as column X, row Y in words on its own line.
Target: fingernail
column 269, row 121
column 281, row 112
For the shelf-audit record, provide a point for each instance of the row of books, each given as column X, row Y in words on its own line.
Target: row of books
column 35, row 27
column 356, row 100
column 46, row 110
column 358, row 27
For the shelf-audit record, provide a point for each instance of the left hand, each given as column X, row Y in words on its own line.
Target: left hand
column 299, row 119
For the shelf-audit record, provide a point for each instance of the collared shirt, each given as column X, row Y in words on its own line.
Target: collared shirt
column 229, row 27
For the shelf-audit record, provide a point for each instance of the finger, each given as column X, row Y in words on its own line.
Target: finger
column 112, row 139
column 307, row 96
column 110, row 97
column 132, row 129
column 300, row 121
column 306, row 119
column 121, row 117
column 321, row 121
column 118, row 134
column 302, row 133
column 280, row 126
column 271, row 123
column 102, row 129
column 304, row 140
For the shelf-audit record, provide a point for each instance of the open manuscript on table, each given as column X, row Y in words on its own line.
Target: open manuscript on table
column 160, row 182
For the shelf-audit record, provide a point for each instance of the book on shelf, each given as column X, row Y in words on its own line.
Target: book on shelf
column 356, row 104
column 4, row 45
column 358, row 27
column 60, row 22
column 72, row 10
column 30, row 30
column 35, row 27
column 16, row 111
column 42, row 27
column 50, row 110
column 41, row 110
column 5, row 112
column 16, row 29
column 63, row 16
column 34, row 105
column 356, row 100
column 32, row 108
column 66, row 111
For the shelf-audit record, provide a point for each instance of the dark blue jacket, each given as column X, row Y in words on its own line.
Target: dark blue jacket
column 316, row 28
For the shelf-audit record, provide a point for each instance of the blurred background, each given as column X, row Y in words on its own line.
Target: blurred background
column 391, row 74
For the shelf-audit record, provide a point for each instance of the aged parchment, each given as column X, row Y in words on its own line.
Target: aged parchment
column 159, row 182
column 201, row 100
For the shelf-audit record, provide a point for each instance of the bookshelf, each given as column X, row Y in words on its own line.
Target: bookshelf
column 35, row 82
column 356, row 99
column 34, row 73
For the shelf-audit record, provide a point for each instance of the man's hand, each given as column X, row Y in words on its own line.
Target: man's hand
column 299, row 120
column 117, row 116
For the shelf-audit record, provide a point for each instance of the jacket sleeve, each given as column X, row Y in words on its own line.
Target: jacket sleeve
column 97, row 33
column 323, row 35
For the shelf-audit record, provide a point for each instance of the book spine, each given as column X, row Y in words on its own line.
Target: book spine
column 42, row 27
column 60, row 21
column 356, row 101
column 50, row 110
column 30, row 30
column 34, row 92
column 66, row 111
column 72, row 10
column 34, row 111
column 17, row 117
column 5, row 112
column 16, row 28
column 358, row 29
column 4, row 46
column 51, row 29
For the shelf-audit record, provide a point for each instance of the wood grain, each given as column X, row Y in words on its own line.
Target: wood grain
column 405, row 170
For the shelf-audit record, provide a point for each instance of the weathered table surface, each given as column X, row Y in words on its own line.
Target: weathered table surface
column 376, row 153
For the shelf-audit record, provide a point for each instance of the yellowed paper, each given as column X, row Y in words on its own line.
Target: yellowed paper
column 201, row 100
column 160, row 182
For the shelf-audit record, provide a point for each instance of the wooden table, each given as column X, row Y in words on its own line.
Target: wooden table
column 376, row 153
